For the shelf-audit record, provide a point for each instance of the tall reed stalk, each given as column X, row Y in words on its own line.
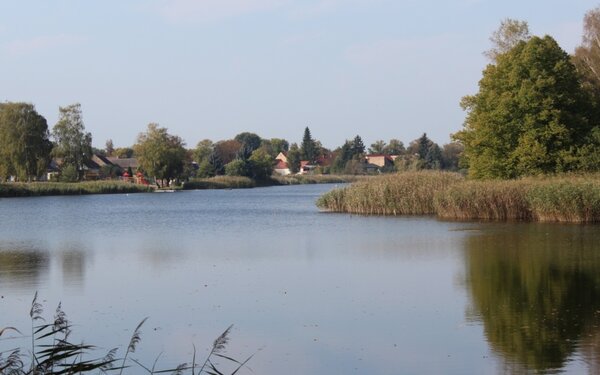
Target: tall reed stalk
column 53, row 354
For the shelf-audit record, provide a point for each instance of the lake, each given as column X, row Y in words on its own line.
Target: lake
column 308, row 292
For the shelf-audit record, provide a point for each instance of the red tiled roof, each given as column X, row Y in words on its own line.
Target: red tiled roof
column 281, row 165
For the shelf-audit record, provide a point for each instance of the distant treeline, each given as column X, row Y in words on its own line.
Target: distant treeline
column 537, row 112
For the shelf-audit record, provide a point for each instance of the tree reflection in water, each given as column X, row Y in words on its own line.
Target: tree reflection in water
column 22, row 267
column 536, row 288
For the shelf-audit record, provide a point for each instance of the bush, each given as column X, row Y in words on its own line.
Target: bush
column 237, row 167
column 69, row 173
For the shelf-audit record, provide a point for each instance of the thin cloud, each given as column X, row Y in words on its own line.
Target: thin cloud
column 192, row 11
column 42, row 43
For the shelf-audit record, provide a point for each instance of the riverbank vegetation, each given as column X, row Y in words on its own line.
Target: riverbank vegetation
column 219, row 182
column 50, row 350
column 304, row 179
column 33, row 189
column 561, row 198
column 241, row 182
column 409, row 193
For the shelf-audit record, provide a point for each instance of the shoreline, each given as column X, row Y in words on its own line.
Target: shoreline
column 42, row 189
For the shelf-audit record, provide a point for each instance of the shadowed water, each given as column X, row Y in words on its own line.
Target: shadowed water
column 312, row 292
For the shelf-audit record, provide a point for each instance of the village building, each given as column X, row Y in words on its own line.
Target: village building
column 282, row 167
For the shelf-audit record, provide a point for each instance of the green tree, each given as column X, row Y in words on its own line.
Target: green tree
column 261, row 165
column 203, row 150
column 205, row 169
column 451, row 155
column 216, row 162
column 24, row 144
column 343, row 156
column 110, row 148
column 279, row 145
column 294, row 156
column 237, row 167
column 73, row 143
column 530, row 115
column 160, row 154
column 423, row 146
column 395, row 147
column 124, row 152
column 227, row 150
column 378, row 147
column 350, row 157
column 433, row 158
column 308, row 147
column 274, row 146
column 250, row 141
column 358, row 147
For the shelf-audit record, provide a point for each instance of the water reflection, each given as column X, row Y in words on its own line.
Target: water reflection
column 73, row 267
column 25, row 267
column 22, row 267
column 536, row 288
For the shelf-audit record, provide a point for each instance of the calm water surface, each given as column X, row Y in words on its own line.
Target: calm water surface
column 310, row 292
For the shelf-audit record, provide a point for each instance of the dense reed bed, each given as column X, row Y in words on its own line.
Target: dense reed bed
column 410, row 193
column 566, row 198
column 21, row 189
column 220, row 182
column 486, row 200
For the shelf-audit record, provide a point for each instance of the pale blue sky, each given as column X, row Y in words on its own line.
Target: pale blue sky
column 214, row 68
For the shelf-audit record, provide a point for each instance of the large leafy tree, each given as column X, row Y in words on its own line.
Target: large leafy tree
column 378, row 147
column 160, row 154
column 24, row 144
column 395, row 147
column 73, row 143
column 279, row 145
column 203, row 150
column 250, row 141
column 227, row 150
column 530, row 116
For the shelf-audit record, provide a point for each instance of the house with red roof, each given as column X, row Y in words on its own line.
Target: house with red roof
column 282, row 167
